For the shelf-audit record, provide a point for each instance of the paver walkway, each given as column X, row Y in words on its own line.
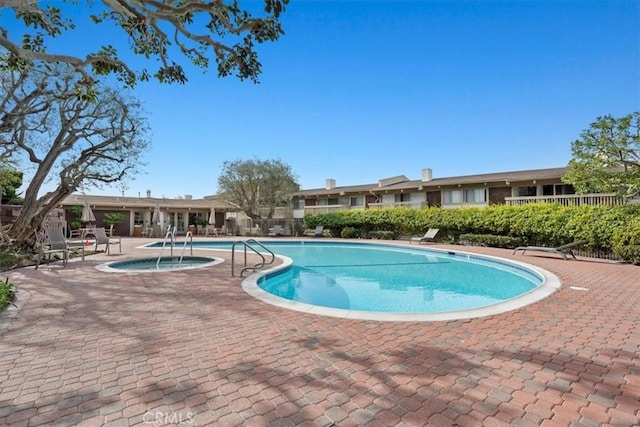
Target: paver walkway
column 92, row 348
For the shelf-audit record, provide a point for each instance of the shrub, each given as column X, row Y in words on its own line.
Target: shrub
column 626, row 240
column 491, row 240
column 349, row 233
column 383, row 235
column 7, row 294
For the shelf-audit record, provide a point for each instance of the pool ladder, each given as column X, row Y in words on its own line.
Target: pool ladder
column 171, row 238
column 247, row 244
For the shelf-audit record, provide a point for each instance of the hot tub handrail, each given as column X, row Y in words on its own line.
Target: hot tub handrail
column 246, row 244
column 171, row 234
column 187, row 238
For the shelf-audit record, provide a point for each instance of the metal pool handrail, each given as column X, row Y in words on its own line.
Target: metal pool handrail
column 189, row 236
column 246, row 244
column 171, row 236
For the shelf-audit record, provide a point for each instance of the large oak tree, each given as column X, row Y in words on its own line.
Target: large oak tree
column 168, row 32
column 65, row 139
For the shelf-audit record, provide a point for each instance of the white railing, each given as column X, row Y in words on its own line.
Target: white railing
column 568, row 200
column 410, row 205
column 324, row 209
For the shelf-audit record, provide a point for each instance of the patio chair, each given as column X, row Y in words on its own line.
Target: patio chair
column 276, row 231
column 103, row 239
column 315, row 233
column 563, row 250
column 429, row 236
column 52, row 241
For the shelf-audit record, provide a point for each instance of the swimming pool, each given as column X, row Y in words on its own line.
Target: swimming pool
column 363, row 280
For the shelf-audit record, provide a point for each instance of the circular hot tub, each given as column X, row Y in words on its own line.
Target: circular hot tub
column 163, row 264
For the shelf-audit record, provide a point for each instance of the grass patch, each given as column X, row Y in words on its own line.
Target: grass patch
column 7, row 293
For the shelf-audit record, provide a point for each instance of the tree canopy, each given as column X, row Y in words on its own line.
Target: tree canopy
column 606, row 157
column 197, row 30
column 10, row 181
column 65, row 139
column 258, row 187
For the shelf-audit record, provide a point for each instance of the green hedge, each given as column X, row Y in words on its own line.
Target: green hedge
column 608, row 228
column 491, row 240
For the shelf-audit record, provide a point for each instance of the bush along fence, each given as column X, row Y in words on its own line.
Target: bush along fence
column 613, row 230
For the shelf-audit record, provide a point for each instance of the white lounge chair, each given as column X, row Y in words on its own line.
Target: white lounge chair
column 429, row 236
column 563, row 250
column 277, row 230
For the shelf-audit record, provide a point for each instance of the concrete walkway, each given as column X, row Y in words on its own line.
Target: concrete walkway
column 86, row 347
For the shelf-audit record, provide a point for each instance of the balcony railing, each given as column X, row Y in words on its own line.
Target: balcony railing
column 410, row 205
column 324, row 209
column 568, row 200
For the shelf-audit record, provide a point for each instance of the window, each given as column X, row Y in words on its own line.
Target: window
column 557, row 189
column 527, row 191
column 356, row 201
column 564, row 189
column 138, row 218
column 402, row 197
column 476, row 195
column 452, row 197
column 298, row 204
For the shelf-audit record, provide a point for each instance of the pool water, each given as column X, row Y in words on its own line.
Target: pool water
column 384, row 279
column 390, row 279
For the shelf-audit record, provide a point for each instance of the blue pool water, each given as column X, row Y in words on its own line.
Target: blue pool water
column 386, row 278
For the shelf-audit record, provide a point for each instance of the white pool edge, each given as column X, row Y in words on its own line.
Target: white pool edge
column 550, row 284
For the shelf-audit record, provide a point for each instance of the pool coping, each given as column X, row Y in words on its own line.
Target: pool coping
column 550, row 284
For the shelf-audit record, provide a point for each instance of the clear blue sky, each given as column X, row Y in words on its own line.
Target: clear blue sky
column 362, row 90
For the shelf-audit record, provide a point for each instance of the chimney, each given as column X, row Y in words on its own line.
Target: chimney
column 331, row 184
column 148, row 194
column 427, row 175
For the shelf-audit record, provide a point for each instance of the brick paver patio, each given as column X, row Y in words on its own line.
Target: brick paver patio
column 92, row 348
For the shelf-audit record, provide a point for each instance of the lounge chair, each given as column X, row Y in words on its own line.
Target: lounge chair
column 561, row 250
column 103, row 239
column 315, row 233
column 52, row 241
column 429, row 236
column 276, row 231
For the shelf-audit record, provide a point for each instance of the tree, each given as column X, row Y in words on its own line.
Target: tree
column 257, row 185
column 195, row 29
column 64, row 138
column 606, row 158
column 10, row 181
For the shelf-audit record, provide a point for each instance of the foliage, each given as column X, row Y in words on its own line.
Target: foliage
column 491, row 240
column 76, row 213
column 609, row 228
column 606, row 158
column 7, row 293
column 382, row 235
column 626, row 240
column 162, row 31
column 257, row 186
column 296, row 228
column 65, row 139
column 113, row 218
column 10, row 181
column 201, row 221
column 349, row 233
